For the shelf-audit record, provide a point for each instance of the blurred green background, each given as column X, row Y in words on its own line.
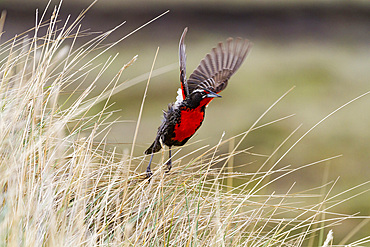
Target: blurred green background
column 321, row 47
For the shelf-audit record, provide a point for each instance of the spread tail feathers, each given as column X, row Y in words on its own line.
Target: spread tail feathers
column 155, row 147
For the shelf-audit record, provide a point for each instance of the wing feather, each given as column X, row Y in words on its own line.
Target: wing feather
column 219, row 65
column 182, row 61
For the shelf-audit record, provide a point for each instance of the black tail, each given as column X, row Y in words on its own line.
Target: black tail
column 155, row 147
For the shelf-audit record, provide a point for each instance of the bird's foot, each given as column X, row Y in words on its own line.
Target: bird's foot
column 149, row 174
column 169, row 166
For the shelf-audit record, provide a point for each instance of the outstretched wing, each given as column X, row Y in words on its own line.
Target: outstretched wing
column 182, row 58
column 219, row 65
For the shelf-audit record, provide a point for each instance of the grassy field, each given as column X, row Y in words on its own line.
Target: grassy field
column 325, row 76
column 252, row 176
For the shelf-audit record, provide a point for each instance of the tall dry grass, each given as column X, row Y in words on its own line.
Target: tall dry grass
column 63, row 185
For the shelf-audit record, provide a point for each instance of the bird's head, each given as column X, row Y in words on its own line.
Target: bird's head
column 201, row 97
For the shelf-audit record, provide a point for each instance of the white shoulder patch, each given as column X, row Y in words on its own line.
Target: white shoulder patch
column 178, row 97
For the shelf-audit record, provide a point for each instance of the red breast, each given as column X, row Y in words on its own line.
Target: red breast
column 190, row 121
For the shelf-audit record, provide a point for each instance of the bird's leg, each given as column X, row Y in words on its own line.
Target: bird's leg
column 169, row 162
column 148, row 170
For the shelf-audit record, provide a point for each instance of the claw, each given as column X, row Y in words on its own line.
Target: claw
column 169, row 166
column 149, row 173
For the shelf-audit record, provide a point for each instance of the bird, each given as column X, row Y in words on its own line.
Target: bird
column 184, row 117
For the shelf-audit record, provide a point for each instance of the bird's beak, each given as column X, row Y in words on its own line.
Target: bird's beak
column 213, row 95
